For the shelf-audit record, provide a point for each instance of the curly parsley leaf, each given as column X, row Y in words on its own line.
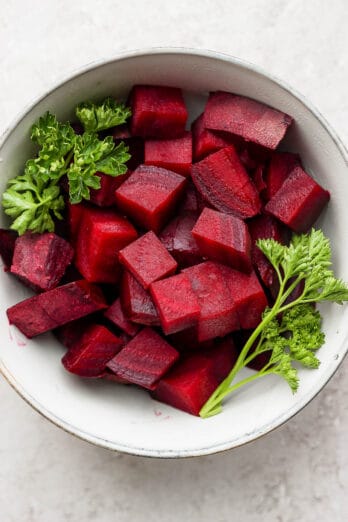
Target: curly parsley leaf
column 96, row 117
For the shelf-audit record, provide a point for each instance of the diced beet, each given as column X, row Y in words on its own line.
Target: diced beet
column 258, row 177
column 176, row 303
column 223, row 356
column 147, row 259
column 116, row 315
column 40, row 260
column 178, row 239
column 224, row 183
column 75, row 213
column 51, row 309
column 299, row 201
column 218, row 315
column 108, row 375
column 7, row 245
column 102, row 233
column 135, row 146
column 157, row 112
column 145, row 359
column 149, row 196
column 105, row 195
column 224, row 238
column 175, row 154
column 191, row 201
column 280, row 166
column 89, row 355
column 250, row 119
column 137, row 302
column 68, row 334
column 253, row 155
column 205, row 141
column 187, row 341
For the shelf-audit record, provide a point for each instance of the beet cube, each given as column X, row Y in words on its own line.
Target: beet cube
column 224, row 183
column 157, row 112
column 191, row 201
column 178, row 239
column 102, row 233
column 137, row 302
column 75, row 213
column 187, row 341
column 299, row 201
column 51, row 309
column 105, row 195
column 7, row 245
column 147, row 259
column 250, row 119
column 223, row 357
column 149, row 196
column 40, row 260
column 175, row 155
column 70, row 333
column 89, row 355
column 145, row 359
column 176, row 302
column 224, row 238
column 116, row 315
column 205, row 141
column 280, row 166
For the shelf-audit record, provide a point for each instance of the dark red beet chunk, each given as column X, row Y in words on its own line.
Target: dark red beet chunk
column 70, row 333
column 147, row 259
column 281, row 165
column 258, row 177
column 51, row 309
column 178, row 239
column 299, row 201
column 224, row 183
column 260, row 360
column 40, row 260
column 176, row 303
column 116, row 315
column 187, row 340
column 149, row 196
column 250, row 119
column 191, row 201
column 145, row 359
column 105, row 195
column 7, row 245
column 205, row 141
column 223, row 357
column 157, row 112
column 88, row 356
column 224, row 238
column 75, row 213
column 137, row 302
column 175, row 154
column 101, row 235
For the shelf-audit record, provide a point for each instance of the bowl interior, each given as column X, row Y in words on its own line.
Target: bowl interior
column 127, row 419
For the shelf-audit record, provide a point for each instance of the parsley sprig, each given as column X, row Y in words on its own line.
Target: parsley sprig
column 291, row 329
column 34, row 198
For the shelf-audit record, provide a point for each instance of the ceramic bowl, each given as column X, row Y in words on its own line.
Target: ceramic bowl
column 124, row 418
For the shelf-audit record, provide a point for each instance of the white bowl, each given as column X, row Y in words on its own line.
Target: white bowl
column 126, row 419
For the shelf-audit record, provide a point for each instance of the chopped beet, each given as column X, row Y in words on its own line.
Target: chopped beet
column 224, row 238
column 280, row 166
column 224, row 183
column 187, row 340
column 178, row 239
column 145, row 359
column 223, row 356
column 116, row 315
column 51, row 309
column 105, row 195
column 258, row 177
column 108, row 375
column 205, row 141
column 147, row 259
column 252, row 120
column 75, row 213
column 191, row 201
column 89, row 355
column 157, row 112
column 135, row 146
column 176, row 302
column 137, row 302
column 7, row 245
column 103, row 232
column 150, row 195
column 40, row 260
column 68, row 334
column 299, row 201
column 175, row 154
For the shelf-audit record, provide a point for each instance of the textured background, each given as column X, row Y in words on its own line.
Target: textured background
column 298, row 473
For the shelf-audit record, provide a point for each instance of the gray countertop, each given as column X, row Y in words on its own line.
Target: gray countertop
column 297, row 473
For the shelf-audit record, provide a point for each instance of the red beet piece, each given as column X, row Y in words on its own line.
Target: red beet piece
column 250, row 119
column 191, row 201
column 116, row 315
column 175, row 155
column 51, row 309
column 224, row 238
column 149, row 196
column 299, row 201
column 102, row 233
column 105, row 195
column 178, row 239
column 147, row 259
column 258, row 177
column 75, row 213
column 40, row 260
column 224, row 183
column 70, row 333
column 145, row 359
column 89, row 355
column 157, row 112
column 176, row 302
column 218, row 315
column 137, row 302
column 205, row 141
column 187, row 341
column 7, row 245
column 280, row 166
column 223, row 357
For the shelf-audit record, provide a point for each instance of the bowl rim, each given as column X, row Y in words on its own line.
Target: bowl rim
column 215, row 448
